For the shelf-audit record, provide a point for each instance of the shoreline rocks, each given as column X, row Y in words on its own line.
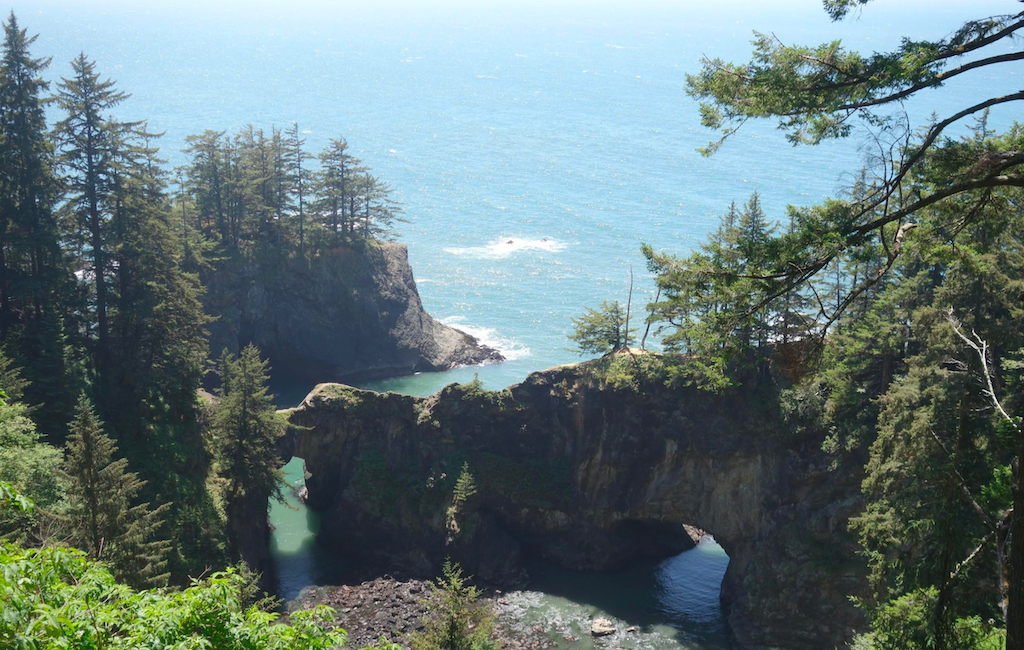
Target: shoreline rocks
column 392, row 608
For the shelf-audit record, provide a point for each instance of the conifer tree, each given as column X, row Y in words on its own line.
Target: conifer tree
column 754, row 234
column 206, row 180
column 88, row 137
column 335, row 186
column 601, row 330
column 247, row 429
column 34, row 280
column 455, row 619
column 100, row 495
column 12, row 384
column 296, row 158
column 380, row 211
column 157, row 319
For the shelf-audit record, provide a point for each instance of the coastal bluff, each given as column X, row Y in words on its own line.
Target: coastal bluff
column 591, row 472
column 353, row 313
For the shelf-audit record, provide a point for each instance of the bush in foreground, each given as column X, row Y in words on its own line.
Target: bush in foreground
column 58, row 598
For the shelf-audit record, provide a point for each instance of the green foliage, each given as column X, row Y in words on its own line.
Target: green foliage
column 29, row 466
column 454, row 620
column 253, row 196
column 57, row 598
column 12, row 384
column 637, row 371
column 100, row 493
column 709, row 308
column 907, row 623
column 36, row 278
column 474, row 391
column 456, row 520
column 247, row 428
column 465, row 487
column 851, row 303
column 813, row 92
column 601, row 330
column 997, row 496
column 12, row 498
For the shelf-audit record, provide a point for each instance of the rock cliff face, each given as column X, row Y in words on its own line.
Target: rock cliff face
column 591, row 476
column 354, row 313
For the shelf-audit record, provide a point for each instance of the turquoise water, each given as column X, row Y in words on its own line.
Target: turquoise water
column 534, row 146
column 671, row 604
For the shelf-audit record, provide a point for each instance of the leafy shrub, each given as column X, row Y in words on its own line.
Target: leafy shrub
column 57, row 598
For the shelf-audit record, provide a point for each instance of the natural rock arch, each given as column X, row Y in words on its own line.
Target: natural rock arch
column 591, row 476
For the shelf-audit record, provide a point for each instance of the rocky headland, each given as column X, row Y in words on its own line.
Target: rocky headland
column 353, row 313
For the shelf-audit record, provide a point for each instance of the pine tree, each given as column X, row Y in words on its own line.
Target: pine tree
column 335, row 186
column 754, row 234
column 601, row 330
column 87, row 138
column 247, row 429
column 12, row 384
column 34, row 280
column 296, row 158
column 100, row 495
column 380, row 211
column 455, row 619
column 205, row 177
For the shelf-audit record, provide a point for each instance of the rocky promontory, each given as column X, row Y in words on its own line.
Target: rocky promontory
column 592, row 466
column 352, row 313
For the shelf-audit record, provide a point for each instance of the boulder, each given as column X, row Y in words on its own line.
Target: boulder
column 602, row 627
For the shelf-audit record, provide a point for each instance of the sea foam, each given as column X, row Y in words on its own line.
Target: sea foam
column 509, row 349
column 507, row 246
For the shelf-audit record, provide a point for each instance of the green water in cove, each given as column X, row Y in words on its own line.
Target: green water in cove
column 673, row 603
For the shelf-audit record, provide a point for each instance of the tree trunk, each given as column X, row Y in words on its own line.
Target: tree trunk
column 98, row 261
column 5, row 297
column 1015, row 606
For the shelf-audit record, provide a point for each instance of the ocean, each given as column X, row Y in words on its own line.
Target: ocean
column 534, row 146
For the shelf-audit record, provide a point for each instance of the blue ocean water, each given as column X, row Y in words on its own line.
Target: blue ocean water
column 534, row 146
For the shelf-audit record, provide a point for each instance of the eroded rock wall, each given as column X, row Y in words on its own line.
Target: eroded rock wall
column 353, row 313
column 591, row 476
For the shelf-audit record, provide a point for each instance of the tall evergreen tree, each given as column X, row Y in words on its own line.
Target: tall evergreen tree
column 206, row 178
column 34, row 281
column 157, row 319
column 100, row 495
column 380, row 211
column 88, row 137
column 335, row 186
column 247, row 429
column 296, row 158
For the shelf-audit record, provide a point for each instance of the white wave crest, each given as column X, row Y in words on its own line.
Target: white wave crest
column 509, row 349
column 508, row 245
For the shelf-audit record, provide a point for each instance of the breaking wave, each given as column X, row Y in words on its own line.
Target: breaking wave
column 506, row 246
column 509, row 348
